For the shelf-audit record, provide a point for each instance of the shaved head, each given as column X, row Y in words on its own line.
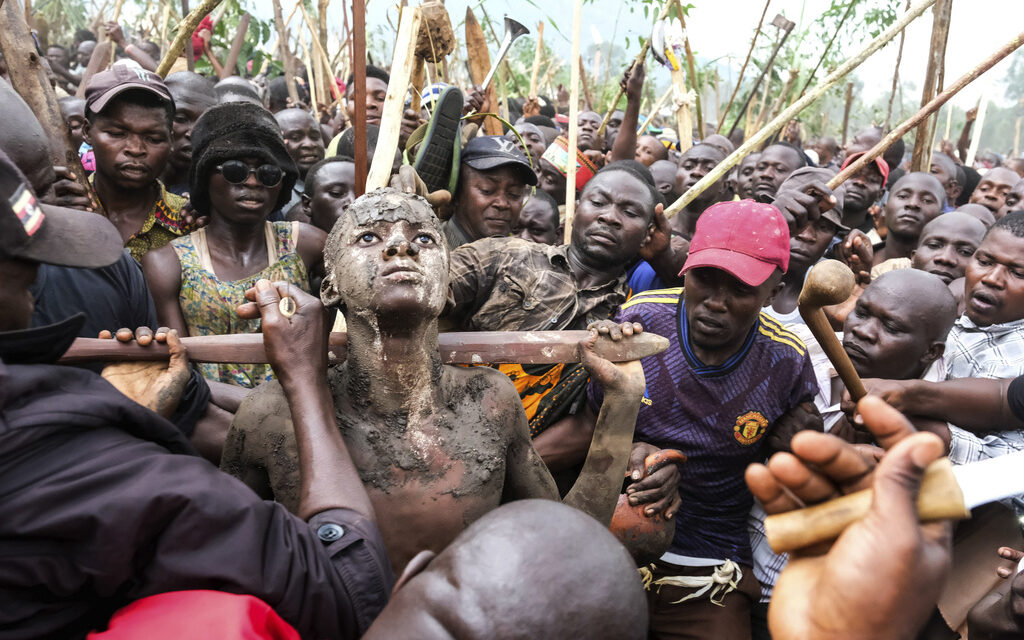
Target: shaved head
column 979, row 212
column 899, row 325
column 501, row 576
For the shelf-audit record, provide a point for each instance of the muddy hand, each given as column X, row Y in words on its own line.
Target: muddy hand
column 624, row 378
column 155, row 385
column 296, row 344
column 408, row 181
column 655, row 479
column 614, row 330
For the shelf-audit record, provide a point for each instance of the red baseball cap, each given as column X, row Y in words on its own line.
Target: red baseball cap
column 744, row 238
column 880, row 164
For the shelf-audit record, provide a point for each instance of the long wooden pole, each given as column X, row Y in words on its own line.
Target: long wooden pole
column 746, row 61
column 574, row 115
column 231, row 64
column 691, row 69
column 767, row 68
column 896, row 77
column 190, row 54
column 638, row 60
column 828, row 47
column 324, row 60
column 359, row 93
column 185, row 29
column 536, row 60
column 846, row 110
column 792, row 110
column 394, row 102
column 921, row 159
column 979, row 124
column 29, row 79
column 286, row 55
column 933, row 106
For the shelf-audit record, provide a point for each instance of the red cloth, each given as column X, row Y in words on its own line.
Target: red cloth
column 197, row 614
column 197, row 42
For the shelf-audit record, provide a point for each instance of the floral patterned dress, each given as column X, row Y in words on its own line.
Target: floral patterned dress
column 208, row 303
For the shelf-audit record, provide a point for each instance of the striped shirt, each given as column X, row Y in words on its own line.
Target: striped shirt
column 995, row 351
column 718, row 416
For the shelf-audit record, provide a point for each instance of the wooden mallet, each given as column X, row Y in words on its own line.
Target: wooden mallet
column 830, row 282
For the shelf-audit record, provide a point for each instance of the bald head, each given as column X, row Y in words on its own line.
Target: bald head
column 664, row 172
column 980, row 213
column 991, row 191
column 898, row 327
column 501, row 576
column 720, row 141
column 23, row 140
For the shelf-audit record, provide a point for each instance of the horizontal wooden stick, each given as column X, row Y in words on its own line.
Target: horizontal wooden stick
column 185, row 29
column 755, row 141
column 934, row 105
column 475, row 347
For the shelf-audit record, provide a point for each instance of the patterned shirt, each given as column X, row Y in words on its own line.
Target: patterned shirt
column 164, row 223
column 995, row 351
column 718, row 416
column 509, row 284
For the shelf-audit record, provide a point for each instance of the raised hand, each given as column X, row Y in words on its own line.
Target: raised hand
column 882, row 576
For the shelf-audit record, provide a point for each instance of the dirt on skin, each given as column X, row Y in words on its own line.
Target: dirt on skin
column 436, row 446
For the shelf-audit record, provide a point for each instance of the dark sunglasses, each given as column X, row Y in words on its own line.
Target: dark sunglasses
column 237, row 172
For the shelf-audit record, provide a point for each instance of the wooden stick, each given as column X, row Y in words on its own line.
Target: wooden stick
column 828, row 47
column 29, row 79
column 190, row 54
column 587, row 100
column 921, row 160
column 638, row 60
column 286, row 55
column 324, row 58
column 359, row 92
column 574, row 115
column 743, row 68
column 684, row 120
column 1016, row 137
column 767, row 68
column 940, row 498
column 165, row 18
column 691, row 70
column 185, row 29
column 231, row 64
column 473, row 347
column 794, row 109
column 846, row 110
column 479, row 60
column 97, row 61
column 931, row 107
column 655, row 109
column 536, row 60
column 311, row 70
column 979, row 124
column 394, row 102
column 117, row 17
column 896, row 76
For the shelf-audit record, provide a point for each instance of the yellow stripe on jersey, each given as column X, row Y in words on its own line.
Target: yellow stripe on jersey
column 672, row 291
column 781, row 339
column 781, row 329
column 638, row 300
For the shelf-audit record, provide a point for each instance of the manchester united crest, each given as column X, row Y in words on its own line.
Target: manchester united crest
column 750, row 427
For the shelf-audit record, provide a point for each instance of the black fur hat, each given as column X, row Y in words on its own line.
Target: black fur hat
column 235, row 131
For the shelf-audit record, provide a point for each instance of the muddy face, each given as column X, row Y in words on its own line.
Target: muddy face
column 386, row 256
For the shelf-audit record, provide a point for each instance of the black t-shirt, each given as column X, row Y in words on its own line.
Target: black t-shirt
column 111, row 297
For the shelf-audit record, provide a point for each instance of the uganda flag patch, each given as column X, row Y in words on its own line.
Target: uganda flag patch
column 27, row 209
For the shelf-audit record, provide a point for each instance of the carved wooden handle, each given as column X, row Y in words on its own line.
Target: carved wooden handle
column 940, row 498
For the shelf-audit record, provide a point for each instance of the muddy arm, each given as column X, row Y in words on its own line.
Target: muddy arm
column 599, row 484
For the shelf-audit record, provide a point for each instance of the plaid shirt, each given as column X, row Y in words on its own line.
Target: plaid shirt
column 995, row 351
column 164, row 223
column 509, row 284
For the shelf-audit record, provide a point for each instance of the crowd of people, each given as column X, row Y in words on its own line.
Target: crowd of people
column 389, row 494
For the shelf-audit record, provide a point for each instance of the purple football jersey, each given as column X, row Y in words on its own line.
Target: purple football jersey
column 719, row 416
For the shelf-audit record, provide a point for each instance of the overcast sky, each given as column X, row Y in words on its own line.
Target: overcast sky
column 721, row 28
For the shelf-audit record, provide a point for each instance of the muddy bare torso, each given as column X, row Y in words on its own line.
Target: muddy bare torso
column 429, row 475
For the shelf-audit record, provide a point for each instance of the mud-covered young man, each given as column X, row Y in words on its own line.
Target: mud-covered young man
column 436, row 446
